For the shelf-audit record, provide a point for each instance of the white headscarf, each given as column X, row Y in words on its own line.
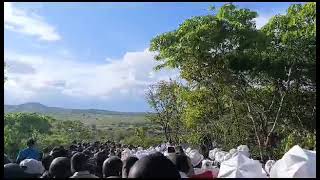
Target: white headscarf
column 219, row 156
column 241, row 166
column 227, row 156
column 213, row 152
column 244, row 150
column 195, row 157
column 207, row 164
column 296, row 163
column 125, row 153
column 33, row 166
column 233, row 151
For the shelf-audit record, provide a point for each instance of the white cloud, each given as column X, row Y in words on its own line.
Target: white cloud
column 127, row 77
column 26, row 22
column 262, row 20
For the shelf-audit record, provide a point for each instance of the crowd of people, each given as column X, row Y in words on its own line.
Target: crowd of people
column 115, row 160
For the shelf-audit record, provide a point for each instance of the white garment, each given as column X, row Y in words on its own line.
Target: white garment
column 241, row 166
column 183, row 175
column 296, row 163
column 33, row 166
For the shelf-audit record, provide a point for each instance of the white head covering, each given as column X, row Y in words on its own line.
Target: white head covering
column 213, row 152
column 152, row 151
column 244, row 150
column 227, row 156
column 207, row 164
column 241, row 166
column 233, row 151
column 296, row 163
column 195, row 157
column 188, row 150
column 157, row 149
column 140, row 155
column 268, row 165
column 163, row 147
column 125, row 153
column 33, row 166
column 219, row 156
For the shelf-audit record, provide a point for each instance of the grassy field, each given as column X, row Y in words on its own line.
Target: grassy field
column 102, row 119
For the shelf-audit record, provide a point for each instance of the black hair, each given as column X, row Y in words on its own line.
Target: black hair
column 127, row 165
column 154, row 166
column 46, row 161
column 112, row 167
column 79, row 162
column 58, row 152
column 60, row 168
column 181, row 162
column 31, row 142
column 171, row 149
column 179, row 150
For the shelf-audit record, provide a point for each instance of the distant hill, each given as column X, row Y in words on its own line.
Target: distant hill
column 40, row 108
column 101, row 118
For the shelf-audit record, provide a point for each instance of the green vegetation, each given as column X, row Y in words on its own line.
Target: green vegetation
column 244, row 85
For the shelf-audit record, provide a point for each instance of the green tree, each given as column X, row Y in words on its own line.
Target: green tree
column 259, row 81
column 163, row 99
column 18, row 127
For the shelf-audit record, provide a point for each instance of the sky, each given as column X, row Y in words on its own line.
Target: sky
column 94, row 55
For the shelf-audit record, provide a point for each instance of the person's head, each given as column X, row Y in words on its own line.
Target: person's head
column 112, row 167
column 181, row 162
column 59, row 152
column 79, row 162
column 179, row 150
column 154, row 166
column 127, row 164
column 60, row 168
column 32, row 167
column 31, row 143
column 46, row 161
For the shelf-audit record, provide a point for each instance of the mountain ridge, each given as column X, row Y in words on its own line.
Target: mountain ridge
column 41, row 108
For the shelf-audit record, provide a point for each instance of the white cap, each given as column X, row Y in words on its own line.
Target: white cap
column 33, row 166
column 296, row 163
column 195, row 157
column 241, row 166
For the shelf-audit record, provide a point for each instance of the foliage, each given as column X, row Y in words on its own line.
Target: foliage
column 18, row 127
column 245, row 85
column 163, row 98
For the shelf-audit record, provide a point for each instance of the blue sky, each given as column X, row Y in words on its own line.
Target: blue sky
column 93, row 55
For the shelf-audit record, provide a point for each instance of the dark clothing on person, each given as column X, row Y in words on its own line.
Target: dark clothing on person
column 13, row 170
